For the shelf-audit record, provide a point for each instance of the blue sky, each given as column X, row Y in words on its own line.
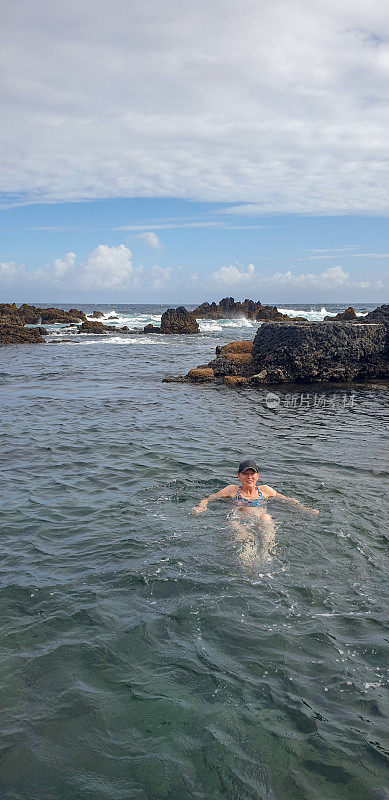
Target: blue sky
column 177, row 152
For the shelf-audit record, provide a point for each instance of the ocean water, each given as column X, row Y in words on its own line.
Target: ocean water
column 147, row 654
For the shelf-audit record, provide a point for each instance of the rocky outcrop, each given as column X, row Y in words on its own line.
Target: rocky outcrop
column 97, row 315
column 348, row 315
column 228, row 308
column 175, row 320
column 24, row 314
column 380, row 315
column 286, row 352
column 319, row 351
column 18, row 334
column 52, row 315
column 90, row 326
column 32, row 315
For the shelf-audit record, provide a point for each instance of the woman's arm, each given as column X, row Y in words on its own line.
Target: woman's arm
column 228, row 491
column 292, row 500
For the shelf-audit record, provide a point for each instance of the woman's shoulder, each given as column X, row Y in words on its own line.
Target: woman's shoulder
column 232, row 488
column 267, row 491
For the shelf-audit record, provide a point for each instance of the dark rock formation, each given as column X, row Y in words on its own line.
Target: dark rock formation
column 286, row 352
column 24, row 314
column 319, row 351
column 175, row 320
column 208, row 311
column 52, row 315
column 92, row 326
column 344, row 316
column 18, row 334
column 31, row 315
column 229, row 308
column 380, row 314
column 97, row 315
column 151, row 329
column 179, row 320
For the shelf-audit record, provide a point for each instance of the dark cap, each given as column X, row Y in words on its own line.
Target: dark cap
column 245, row 465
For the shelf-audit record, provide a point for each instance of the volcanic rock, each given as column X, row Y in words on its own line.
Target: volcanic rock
column 234, row 380
column 175, row 320
column 18, row 334
column 228, row 308
column 344, row 316
column 289, row 352
column 97, row 315
column 52, row 315
column 179, row 320
column 25, row 313
column 380, row 314
column 320, row 351
column 93, row 327
column 201, row 374
column 151, row 329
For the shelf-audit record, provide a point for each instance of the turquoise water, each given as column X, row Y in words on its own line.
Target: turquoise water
column 150, row 654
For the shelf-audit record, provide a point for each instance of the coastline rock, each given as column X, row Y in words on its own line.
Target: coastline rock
column 97, row 315
column 320, row 351
column 175, row 320
column 151, row 329
column 344, row 316
column 18, row 334
column 311, row 352
column 201, row 374
column 179, row 320
column 228, row 308
column 234, row 380
column 90, row 326
column 52, row 315
column 380, row 314
column 25, row 313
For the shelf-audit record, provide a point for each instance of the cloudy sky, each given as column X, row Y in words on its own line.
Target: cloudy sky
column 179, row 151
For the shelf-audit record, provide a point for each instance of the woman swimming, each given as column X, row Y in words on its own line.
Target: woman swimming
column 250, row 502
column 248, row 497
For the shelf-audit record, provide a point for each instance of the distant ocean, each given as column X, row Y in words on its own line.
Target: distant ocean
column 147, row 654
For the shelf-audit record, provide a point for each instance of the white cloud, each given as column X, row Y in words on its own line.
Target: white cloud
column 11, row 273
column 152, row 240
column 277, row 105
column 160, row 276
column 108, row 267
column 105, row 268
column 233, row 276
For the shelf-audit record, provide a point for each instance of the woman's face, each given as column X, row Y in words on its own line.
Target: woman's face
column 249, row 478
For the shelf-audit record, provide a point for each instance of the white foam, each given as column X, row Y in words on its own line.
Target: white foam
column 126, row 340
column 215, row 325
column 132, row 321
column 314, row 315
